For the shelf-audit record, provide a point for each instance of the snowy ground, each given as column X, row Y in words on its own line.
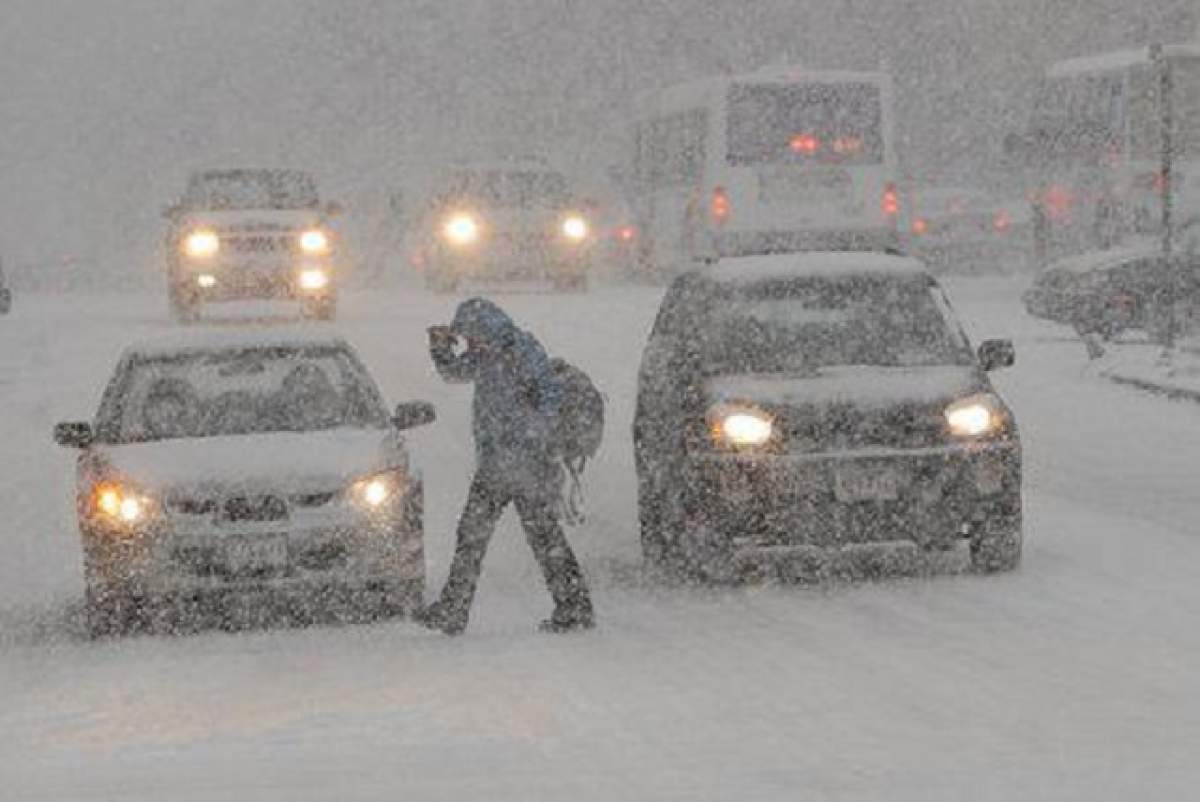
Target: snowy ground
column 1072, row 679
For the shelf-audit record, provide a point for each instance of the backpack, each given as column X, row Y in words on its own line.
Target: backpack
column 578, row 429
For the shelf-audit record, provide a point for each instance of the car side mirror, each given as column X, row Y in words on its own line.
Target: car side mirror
column 74, row 435
column 995, row 354
column 414, row 414
column 334, row 209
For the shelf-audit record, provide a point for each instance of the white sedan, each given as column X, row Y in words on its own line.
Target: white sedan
column 246, row 467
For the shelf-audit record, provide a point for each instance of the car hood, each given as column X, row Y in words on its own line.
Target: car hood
column 296, row 462
column 860, row 386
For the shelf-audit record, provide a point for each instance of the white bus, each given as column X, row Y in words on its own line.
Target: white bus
column 777, row 160
column 1095, row 151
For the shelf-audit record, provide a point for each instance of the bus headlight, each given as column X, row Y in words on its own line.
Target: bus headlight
column 202, row 244
column 742, row 427
column 575, row 228
column 975, row 416
column 461, row 229
column 314, row 242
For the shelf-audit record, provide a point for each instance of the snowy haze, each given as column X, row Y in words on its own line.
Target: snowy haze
column 108, row 103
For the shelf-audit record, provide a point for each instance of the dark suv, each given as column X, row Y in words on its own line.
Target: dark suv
column 794, row 409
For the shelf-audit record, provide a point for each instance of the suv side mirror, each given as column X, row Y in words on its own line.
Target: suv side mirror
column 414, row 414
column 74, row 435
column 333, row 209
column 995, row 354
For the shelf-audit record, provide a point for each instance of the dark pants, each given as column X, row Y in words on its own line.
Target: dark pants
column 485, row 503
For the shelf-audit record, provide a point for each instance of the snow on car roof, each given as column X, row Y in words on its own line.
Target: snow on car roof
column 1098, row 260
column 1117, row 60
column 199, row 341
column 813, row 264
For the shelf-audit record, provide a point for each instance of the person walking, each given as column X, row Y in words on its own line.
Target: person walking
column 517, row 398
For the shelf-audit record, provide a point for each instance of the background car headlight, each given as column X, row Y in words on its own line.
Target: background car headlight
column 314, row 242
column 974, row 416
column 118, row 503
column 742, row 427
column 461, row 229
column 377, row 491
column 575, row 228
column 313, row 279
column 201, row 244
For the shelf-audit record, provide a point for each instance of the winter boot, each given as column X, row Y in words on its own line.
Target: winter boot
column 437, row 617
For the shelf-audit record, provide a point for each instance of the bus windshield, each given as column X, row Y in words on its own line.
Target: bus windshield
column 809, row 123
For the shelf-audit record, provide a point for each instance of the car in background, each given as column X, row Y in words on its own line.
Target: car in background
column 251, row 233
column 242, row 468
column 970, row 230
column 504, row 221
column 5, row 294
column 796, row 409
column 1110, row 292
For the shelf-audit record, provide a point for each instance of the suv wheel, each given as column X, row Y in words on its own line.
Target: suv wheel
column 185, row 305
column 997, row 546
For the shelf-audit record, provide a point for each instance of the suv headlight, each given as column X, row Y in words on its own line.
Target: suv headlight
column 120, row 504
column 975, row 416
column 461, row 229
column 314, row 242
column 575, row 228
column 378, row 490
column 201, row 244
column 741, row 427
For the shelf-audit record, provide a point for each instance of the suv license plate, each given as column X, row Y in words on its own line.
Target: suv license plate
column 250, row 555
column 866, row 483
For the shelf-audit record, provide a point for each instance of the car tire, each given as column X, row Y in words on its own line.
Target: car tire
column 997, row 546
column 185, row 306
column 112, row 612
column 654, row 534
column 571, row 284
column 324, row 309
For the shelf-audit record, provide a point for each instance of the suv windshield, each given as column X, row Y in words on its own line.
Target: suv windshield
column 237, row 392
column 800, row 325
column 252, row 189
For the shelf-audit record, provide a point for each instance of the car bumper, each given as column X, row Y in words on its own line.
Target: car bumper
column 930, row 497
column 200, row 560
column 241, row 280
column 516, row 263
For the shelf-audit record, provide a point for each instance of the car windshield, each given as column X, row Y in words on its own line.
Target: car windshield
column 519, row 188
column 802, row 325
column 252, row 189
column 239, row 392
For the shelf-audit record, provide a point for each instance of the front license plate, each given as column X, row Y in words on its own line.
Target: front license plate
column 866, row 483
column 254, row 555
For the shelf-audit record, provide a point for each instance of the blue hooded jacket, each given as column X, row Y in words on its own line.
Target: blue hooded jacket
column 517, row 395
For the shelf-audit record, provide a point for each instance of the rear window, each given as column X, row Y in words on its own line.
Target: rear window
column 813, row 123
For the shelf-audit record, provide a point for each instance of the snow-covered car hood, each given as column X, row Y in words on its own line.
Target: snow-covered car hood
column 309, row 461
column 860, row 385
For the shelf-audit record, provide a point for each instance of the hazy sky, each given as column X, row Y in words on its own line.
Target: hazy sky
column 108, row 103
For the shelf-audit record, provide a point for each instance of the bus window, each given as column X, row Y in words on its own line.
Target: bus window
column 805, row 123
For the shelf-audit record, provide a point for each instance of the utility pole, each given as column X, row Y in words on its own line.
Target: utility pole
column 1167, row 112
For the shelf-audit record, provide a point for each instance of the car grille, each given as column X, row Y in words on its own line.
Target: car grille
column 844, row 427
column 257, row 243
column 255, row 508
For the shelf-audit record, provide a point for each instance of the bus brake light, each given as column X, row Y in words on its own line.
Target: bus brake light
column 720, row 205
column 891, row 201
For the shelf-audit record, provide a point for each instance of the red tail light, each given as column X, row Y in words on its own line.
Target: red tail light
column 805, row 144
column 720, row 205
column 891, row 201
column 1002, row 222
column 627, row 233
column 919, row 226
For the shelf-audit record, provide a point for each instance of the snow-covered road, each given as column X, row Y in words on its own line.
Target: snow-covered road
column 1073, row 679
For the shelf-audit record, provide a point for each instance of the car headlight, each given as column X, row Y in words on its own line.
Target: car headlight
column 575, row 228
column 378, row 490
column 314, row 242
column 975, row 416
column 742, row 427
column 461, row 229
column 202, row 244
column 313, row 279
column 119, row 504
